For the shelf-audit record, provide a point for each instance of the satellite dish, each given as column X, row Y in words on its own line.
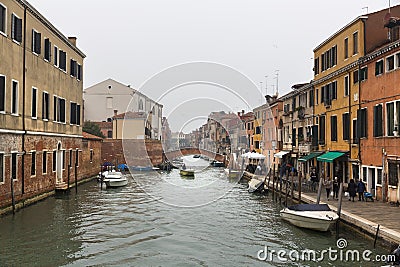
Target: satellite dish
column 388, row 16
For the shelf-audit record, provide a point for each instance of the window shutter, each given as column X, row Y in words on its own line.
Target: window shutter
column 19, row 29
column 2, row 92
column 294, row 137
column 78, row 114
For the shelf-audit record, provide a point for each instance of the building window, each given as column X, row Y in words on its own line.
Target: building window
column 54, row 160
column 36, row 42
column 2, row 93
column 73, row 68
column 14, row 164
column 398, row 60
column 346, row 85
column 346, row 126
column 378, row 67
column 311, row 98
column 316, row 66
column 363, row 74
column 79, row 72
column 355, row 43
column 379, row 178
column 109, row 134
column 316, row 96
column 56, row 56
column 75, row 115
column 392, row 117
column 356, row 76
column 258, row 130
column 333, row 128
column 393, row 174
column 45, row 106
column 16, row 28
column 328, row 93
column 109, row 102
column 47, row 49
column 63, row 159
column 44, row 162
column 59, row 109
column 321, row 130
column 62, row 60
column 2, row 168
column 362, row 123
column 390, row 63
column 14, row 98
column 3, row 21
column 70, row 158
column 257, row 144
column 91, row 155
column 34, row 103
column 140, row 105
column 33, row 164
column 346, row 48
column 355, row 136
column 378, row 121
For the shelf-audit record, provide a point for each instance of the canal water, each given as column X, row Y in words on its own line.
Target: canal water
column 166, row 220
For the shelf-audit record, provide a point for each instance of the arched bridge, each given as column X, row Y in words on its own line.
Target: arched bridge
column 195, row 151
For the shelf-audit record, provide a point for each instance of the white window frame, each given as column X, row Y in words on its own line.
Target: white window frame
column 12, row 97
column 5, row 93
column 4, row 164
column 48, row 107
column 16, row 169
column 348, row 85
column 5, row 21
column 358, row 42
column 376, row 174
column 395, row 111
column 33, row 151
column 387, row 65
column 36, row 111
column 44, row 49
column 15, row 15
column 33, row 41
column 47, row 154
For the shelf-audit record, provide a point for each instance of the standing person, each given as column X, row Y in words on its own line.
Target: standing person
column 328, row 186
column 360, row 190
column 335, row 188
column 352, row 188
column 313, row 178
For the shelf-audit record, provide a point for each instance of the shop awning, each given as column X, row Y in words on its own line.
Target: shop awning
column 310, row 156
column 281, row 154
column 330, row 156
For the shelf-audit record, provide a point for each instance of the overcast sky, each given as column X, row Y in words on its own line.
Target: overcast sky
column 130, row 40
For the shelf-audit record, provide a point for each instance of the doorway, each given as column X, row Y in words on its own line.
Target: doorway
column 59, row 163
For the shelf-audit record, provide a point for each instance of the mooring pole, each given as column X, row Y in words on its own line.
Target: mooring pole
column 339, row 210
column 319, row 190
column 292, row 187
column 286, row 187
column 376, row 235
column 76, row 178
column 68, row 177
column 101, row 177
column 300, row 178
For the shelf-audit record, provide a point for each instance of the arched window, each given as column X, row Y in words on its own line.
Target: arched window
column 140, row 105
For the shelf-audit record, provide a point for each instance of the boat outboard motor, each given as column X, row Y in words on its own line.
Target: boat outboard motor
column 396, row 253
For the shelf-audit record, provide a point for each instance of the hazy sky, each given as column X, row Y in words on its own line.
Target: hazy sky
column 131, row 41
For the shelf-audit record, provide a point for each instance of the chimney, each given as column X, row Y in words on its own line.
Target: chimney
column 238, row 113
column 115, row 112
column 242, row 111
column 72, row 40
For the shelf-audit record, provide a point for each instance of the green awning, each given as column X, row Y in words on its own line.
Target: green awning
column 330, row 156
column 310, row 156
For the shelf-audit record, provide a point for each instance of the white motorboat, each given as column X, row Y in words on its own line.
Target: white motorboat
column 114, row 179
column 312, row 216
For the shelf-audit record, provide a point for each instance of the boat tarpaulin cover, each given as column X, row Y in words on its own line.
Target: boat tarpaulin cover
column 310, row 207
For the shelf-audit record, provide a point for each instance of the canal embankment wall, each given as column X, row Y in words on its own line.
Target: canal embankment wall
column 388, row 237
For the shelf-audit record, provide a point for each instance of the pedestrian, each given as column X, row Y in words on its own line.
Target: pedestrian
column 360, row 190
column 335, row 188
column 352, row 188
column 328, row 186
column 314, row 180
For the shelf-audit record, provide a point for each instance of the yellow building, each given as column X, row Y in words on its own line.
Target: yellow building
column 337, row 78
column 40, row 102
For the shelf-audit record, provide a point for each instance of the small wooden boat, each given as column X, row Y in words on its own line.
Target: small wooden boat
column 188, row 173
column 311, row 216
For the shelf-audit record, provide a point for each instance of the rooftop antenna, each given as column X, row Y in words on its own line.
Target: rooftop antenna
column 266, row 85
column 389, row 6
column 277, row 81
column 261, row 89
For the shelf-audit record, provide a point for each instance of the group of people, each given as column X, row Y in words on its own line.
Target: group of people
column 330, row 185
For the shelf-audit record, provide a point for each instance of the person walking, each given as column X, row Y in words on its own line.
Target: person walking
column 328, row 187
column 335, row 188
column 314, row 180
column 352, row 188
column 360, row 190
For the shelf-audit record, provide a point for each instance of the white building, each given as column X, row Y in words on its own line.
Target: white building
column 102, row 99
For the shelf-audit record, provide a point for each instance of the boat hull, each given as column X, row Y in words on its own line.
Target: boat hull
column 188, row 173
column 115, row 182
column 314, row 220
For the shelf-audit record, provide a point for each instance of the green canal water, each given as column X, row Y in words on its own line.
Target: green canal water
column 164, row 220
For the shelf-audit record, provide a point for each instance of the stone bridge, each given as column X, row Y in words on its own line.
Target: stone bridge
column 170, row 155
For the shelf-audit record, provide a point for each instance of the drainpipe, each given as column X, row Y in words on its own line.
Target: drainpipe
column 23, row 106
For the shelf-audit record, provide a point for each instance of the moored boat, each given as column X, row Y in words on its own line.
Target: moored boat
column 187, row 172
column 255, row 185
column 114, row 179
column 317, row 217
